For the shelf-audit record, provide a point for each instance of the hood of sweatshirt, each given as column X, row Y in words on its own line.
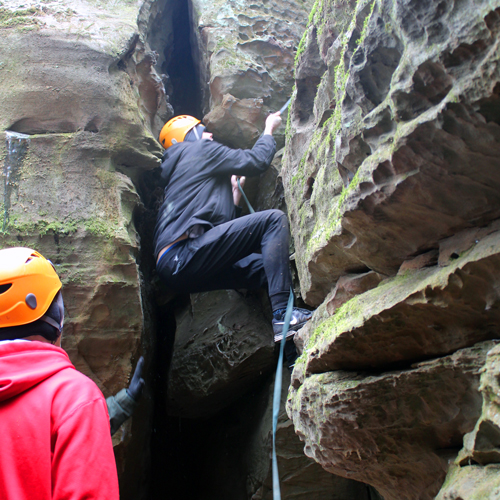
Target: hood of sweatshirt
column 25, row 364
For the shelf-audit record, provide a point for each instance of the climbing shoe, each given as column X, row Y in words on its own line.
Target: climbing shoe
column 299, row 318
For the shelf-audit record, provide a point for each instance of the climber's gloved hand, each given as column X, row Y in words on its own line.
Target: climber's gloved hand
column 134, row 390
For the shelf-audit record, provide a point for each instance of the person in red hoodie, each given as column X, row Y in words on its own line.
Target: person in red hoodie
column 55, row 440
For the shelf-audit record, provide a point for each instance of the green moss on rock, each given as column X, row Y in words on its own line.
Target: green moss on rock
column 18, row 18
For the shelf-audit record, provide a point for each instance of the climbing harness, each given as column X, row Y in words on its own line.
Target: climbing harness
column 279, row 369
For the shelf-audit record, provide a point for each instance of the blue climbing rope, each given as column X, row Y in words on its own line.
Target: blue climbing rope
column 279, row 374
column 277, row 396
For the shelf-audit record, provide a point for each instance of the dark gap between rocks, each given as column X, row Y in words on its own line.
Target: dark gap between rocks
column 179, row 64
column 178, row 447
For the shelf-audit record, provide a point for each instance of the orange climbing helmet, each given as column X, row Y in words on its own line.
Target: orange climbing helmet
column 176, row 128
column 28, row 285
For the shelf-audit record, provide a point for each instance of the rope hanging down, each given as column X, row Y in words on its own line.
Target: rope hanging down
column 279, row 371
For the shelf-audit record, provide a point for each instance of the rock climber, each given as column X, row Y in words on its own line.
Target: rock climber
column 200, row 243
column 56, row 441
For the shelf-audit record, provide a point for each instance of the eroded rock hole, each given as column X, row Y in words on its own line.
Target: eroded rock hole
column 36, row 125
column 431, row 84
column 309, row 73
column 490, row 107
column 359, row 150
column 309, row 188
column 376, row 76
column 306, row 93
column 492, row 21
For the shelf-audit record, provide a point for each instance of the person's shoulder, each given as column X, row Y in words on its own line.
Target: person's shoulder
column 214, row 147
column 173, row 151
column 76, row 386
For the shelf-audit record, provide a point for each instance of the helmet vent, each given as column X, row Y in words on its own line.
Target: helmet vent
column 4, row 288
column 31, row 301
column 31, row 257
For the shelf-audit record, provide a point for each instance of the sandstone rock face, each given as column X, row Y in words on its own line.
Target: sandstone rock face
column 390, row 176
column 426, row 313
column 72, row 83
column 392, row 144
column 301, row 478
column 395, row 430
column 481, row 445
column 249, row 58
column 471, row 482
column 475, row 474
column 391, row 180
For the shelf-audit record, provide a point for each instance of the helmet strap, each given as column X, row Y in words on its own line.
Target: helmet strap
column 60, row 305
column 51, row 322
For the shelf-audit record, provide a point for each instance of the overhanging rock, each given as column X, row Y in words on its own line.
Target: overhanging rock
column 395, row 430
column 424, row 313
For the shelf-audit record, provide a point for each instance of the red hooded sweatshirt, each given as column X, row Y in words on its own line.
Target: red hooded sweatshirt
column 55, row 442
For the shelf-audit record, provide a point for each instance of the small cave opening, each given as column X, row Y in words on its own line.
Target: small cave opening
column 490, row 106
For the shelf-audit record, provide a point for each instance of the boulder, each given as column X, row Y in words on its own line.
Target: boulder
column 223, row 346
column 393, row 430
column 249, row 53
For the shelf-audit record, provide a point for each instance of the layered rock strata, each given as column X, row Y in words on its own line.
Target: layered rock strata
column 77, row 83
column 390, row 177
column 392, row 145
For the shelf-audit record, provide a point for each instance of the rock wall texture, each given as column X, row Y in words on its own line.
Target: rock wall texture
column 71, row 83
column 389, row 175
column 390, row 178
column 248, row 57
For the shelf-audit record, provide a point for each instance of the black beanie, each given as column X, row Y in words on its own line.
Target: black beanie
column 195, row 133
column 38, row 327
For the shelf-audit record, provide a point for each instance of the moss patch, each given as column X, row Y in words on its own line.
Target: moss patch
column 24, row 18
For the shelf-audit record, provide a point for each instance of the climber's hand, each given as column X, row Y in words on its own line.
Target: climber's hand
column 137, row 383
column 273, row 121
column 234, row 186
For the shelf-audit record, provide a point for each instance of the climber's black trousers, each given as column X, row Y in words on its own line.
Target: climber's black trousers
column 247, row 252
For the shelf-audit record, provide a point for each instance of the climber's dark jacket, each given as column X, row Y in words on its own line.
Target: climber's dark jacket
column 198, row 189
